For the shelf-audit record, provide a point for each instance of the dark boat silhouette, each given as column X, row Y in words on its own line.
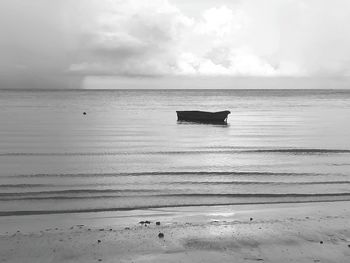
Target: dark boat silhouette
column 203, row 116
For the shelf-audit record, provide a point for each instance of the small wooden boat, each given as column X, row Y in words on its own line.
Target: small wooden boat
column 203, row 116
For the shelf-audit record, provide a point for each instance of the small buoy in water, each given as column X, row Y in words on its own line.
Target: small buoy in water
column 321, row 242
column 158, row 223
column 251, row 219
column 84, row 113
column 161, row 235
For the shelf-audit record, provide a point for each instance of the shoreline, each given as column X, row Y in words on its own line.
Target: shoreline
column 243, row 233
column 144, row 208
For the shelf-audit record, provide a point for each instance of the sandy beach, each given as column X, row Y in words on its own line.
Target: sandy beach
column 305, row 232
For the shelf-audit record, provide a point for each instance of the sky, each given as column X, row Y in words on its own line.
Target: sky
column 68, row 43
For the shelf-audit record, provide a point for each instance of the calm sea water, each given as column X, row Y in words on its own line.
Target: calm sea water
column 129, row 151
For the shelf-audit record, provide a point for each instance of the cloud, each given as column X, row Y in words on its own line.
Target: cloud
column 253, row 38
column 69, row 39
column 133, row 38
column 158, row 39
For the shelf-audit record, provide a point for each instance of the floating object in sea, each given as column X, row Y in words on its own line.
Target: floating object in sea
column 203, row 116
column 161, row 235
column 84, row 113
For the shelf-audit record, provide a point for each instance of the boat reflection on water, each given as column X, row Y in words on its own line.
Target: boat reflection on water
column 203, row 117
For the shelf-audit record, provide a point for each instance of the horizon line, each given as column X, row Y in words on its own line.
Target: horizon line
column 170, row 89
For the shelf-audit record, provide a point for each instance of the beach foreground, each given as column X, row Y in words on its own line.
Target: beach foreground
column 309, row 232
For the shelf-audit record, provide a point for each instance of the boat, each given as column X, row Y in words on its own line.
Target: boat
column 203, row 116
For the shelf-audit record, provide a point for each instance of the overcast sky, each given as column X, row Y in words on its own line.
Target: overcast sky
column 52, row 43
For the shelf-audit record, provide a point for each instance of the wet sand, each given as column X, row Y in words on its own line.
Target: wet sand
column 305, row 232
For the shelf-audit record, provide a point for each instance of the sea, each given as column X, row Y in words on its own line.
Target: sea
column 130, row 152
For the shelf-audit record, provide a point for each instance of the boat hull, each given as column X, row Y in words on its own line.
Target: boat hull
column 203, row 116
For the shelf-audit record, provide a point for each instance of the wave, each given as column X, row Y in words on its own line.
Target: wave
column 258, row 195
column 175, row 173
column 51, row 185
column 219, row 150
column 24, row 185
column 67, row 153
column 76, row 191
column 114, row 209
column 258, row 182
column 12, row 196
column 303, row 151
column 181, row 183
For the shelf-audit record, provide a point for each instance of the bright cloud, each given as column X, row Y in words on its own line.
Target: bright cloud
column 253, row 38
column 156, row 38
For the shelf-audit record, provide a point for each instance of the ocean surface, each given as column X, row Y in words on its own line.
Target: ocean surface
column 130, row 152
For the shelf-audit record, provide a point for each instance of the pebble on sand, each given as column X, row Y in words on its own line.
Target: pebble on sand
column 144, row 222
column 161, row 235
